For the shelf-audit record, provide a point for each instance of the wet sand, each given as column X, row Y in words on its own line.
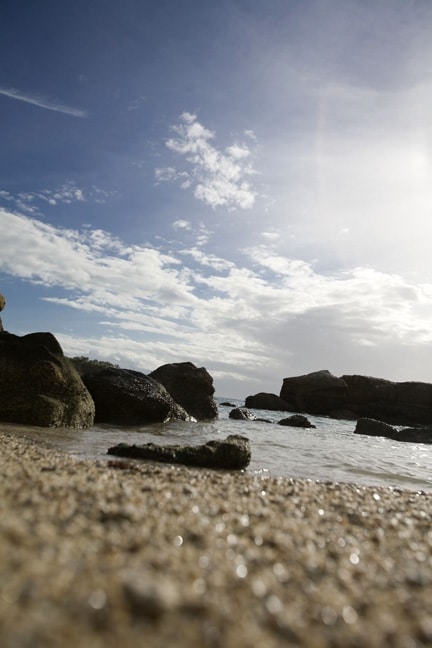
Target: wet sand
column 119, row 554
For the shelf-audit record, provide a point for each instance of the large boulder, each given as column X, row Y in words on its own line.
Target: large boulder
column 232, row 453
column 316, row 393
column 267, row 401
column 190, row 386
column 39, row 385
column 127, row 397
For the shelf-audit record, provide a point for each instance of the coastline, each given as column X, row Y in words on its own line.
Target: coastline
column 120, row 553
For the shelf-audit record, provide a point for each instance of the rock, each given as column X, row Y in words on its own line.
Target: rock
column 316, row 393
column 297, row 420
column 227, row 404
column 242, row 414
column 39, row 386
column 126, row 397
column 372, row 427
column 268, row 402
column 395, row 403
column 190, row 386
column 415, row 435
column 233, row 453
column 2, row 305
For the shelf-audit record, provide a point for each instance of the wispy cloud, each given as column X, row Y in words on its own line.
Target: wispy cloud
column 42, row 102
column 30, row 202
column 219, row 178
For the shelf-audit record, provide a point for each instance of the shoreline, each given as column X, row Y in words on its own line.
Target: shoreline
column 119, row 553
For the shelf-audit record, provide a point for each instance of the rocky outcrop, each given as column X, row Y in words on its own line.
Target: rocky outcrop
column 127, row 397
column 297, row 420
column 233, row 453
column 316, row 393
column 190, row 386
column 267, row 401
column 372, row 427
column 404, row 403
column 39, row 386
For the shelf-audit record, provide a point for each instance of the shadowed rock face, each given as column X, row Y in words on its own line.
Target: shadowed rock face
column 231, row 454
column 127, row 397
column 190, row 386
column 39, row 386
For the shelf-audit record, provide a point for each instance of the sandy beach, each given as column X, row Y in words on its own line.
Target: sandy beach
column 124, row 554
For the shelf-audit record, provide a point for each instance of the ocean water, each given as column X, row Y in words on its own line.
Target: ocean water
column 330, row 452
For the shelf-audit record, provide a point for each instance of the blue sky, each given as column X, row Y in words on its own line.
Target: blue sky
column 245, row 184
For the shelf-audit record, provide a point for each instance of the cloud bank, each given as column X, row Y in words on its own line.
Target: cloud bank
column 276, row 318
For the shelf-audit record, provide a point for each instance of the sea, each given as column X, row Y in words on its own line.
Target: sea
column 329, row 452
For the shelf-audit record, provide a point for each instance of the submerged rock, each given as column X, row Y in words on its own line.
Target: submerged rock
column 297, row 420
column 372, row 427
column 39, row 385
column 242, row 414
column 233, row 453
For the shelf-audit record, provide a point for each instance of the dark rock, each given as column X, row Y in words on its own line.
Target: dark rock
column 395, row 403
column 190, row 386
column 372, row 427
column 2, row 305
column 415, row 435
column 227, row 404
column 233, row 453
column 127, row 397
column 39, row 386
column 268, row 402
column 297, row 420
column 242, row 414
column 317, row 393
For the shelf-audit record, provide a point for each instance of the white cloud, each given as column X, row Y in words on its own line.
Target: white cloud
column 219, row 179
column 41, row 102
column 67, row 193
column 277, row 317
column 181, row 224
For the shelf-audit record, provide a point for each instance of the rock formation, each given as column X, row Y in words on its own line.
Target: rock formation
column 233, row 453
column 39, row 386
column 127, row 397
column 267, row 401
column 190, row 386
column 353, row 396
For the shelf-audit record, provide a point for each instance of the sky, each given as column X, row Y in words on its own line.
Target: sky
column 242, row 184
